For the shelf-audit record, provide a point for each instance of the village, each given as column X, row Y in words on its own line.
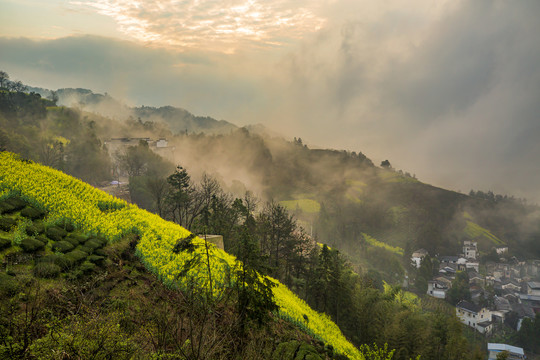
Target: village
column 499, row 294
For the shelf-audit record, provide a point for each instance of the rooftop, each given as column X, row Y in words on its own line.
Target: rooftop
column 464, row 304
column 503, row 347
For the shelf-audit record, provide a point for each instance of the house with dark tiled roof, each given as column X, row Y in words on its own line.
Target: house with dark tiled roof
column 533, row 288
column 470, row 314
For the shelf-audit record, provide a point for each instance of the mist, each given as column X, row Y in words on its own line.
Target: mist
column 446, row 91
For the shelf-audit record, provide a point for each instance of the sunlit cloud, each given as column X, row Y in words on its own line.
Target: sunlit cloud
column 209, row 24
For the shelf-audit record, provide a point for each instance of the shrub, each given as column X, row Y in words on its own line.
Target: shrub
column 96, row 259
column 8, row 285
column 69, row 227
column 43, row 239
column 31, row 245
column 63, row 246
column 87, row 267
column 76, row 239
column 100, row 252
column 7, row 223
column 4, row 243
column 72, row 241
column 48, row 258
column 56, row 233
column 6, row 208
column 86, row 249
column 47, row 270
column 31, row 230
column 76, row 255
column 17, row 203
column 93, row 244
column 32, row 213
column 64, row 261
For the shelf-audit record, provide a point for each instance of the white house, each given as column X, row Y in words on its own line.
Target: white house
column 162, row 143
column 417, row 257
column 514, row 352
column 472, row 265
column 474, row 316
column 470, row 249
column 437, row 289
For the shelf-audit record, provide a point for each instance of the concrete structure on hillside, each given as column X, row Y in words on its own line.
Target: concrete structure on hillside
column 514, row 352
column 214, row 239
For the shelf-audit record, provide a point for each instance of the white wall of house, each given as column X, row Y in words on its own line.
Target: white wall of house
column 470, row 318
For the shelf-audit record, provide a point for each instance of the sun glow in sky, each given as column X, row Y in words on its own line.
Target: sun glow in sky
column 208, row 24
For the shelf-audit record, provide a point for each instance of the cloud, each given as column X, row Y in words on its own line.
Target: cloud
column 447, row 90
column 206, row 84
column 451, row 94
column 216, row 25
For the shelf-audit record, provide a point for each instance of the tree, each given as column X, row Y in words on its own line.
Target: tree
column 424, row 274
column 180, row 194
column 158, row 188
column 386, row 164
column 460, row 288
column 255, row 297
column 53, row 97
column 17, row 86
column 4, row 80
column 276, row 229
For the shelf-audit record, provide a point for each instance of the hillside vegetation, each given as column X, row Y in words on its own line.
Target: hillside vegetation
column 93, row 211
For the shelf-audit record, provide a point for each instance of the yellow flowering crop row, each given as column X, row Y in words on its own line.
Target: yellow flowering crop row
column 97, row 212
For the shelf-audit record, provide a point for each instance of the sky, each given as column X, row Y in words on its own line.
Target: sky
column 446, row 90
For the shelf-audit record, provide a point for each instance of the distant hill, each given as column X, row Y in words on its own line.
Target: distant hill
column 177, row 119
column 181, row 121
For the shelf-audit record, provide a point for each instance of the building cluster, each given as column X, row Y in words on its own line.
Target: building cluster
column 500, row 292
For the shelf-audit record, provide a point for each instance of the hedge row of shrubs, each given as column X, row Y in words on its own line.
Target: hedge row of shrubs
column 73, row 252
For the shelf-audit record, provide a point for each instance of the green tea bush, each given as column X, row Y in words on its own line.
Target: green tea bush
column 93, row 244
column 56, row 233
column 62, row 246
column 76, row 255
column 43, row 239
column 4, row 243
column 32, row 213
column 6, row 208
column 31, row 245
column 17, row 203
column 96, row 259
column 7, row 224
column 87, row 267
column 76, row 239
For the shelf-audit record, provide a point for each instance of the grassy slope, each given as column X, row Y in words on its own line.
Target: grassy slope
column 94, row 211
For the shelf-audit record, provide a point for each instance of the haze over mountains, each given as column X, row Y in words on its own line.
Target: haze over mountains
column 443, row 89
